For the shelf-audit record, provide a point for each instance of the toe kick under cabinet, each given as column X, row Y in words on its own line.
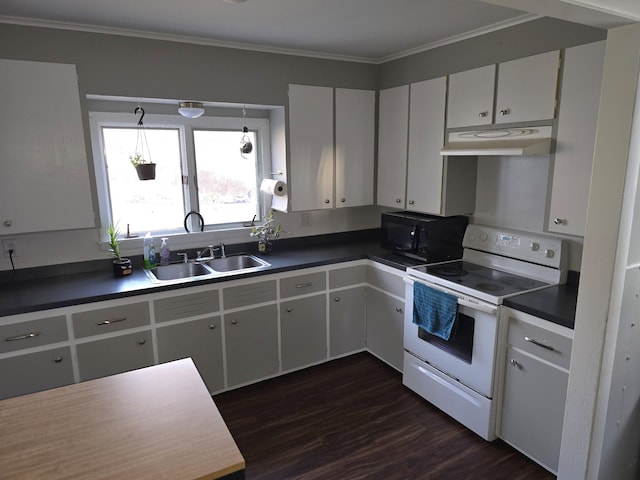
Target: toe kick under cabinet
column 237, row 332
column 535, row 365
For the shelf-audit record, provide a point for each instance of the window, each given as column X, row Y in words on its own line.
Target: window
column 199, row 167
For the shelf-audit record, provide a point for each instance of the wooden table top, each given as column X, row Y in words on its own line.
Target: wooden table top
column 158, row 422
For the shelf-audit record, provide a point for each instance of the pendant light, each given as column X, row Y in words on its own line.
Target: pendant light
column 191, row 109
column 246, row 147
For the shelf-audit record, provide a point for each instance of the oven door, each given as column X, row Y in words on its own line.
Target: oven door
column 469, row 354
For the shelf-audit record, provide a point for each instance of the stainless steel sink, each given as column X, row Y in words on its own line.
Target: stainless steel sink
column 232, row 263
column 178, row 271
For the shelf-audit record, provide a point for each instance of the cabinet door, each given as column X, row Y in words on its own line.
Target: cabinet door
column 527, row 87
column 303, row 325
column 355, row 145
column 202, row 341
column 393, row 122
column 35, row 372
column 311, row 144
column 426, row 137
column 385, row 327
column 347, row 321
column 471, row 97
column 577, row 121
column 45, row 183
column 101, row 358
column 251, row 341
column 533, row 407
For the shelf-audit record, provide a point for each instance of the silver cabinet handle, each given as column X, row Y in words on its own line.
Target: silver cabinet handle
column 57, row 359
column 515, row 363
column 505, row 111
column 7, row 223
column 234, row 322
column 411, row 202
column 304, row 285
column 327, row 200
column 109, row 322
column 399, row 309
column 342, row 200
column 536, row 342
column 337, row 299
column 559, row 221
column 212, row 326
column 22, row 337
column 142, row 341
column 398, row 200
column 483, row 114
column 289, row 310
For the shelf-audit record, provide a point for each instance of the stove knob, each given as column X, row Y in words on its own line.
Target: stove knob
column 549, row 253
column 535, row 246
column 472, row 238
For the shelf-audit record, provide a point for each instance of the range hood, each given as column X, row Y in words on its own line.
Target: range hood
column 519, row 141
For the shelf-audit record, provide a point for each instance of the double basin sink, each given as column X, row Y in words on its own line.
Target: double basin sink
column 206, row 267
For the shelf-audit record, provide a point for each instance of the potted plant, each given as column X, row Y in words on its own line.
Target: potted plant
column 121, row 266
column 146, row 170
column 266, row 233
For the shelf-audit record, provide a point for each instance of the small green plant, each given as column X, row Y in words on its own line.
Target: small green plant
column 137, row 159
column 267, row 232
column 114, row 243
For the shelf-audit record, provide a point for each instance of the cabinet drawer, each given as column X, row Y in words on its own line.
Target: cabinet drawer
column 250, row 294
column 112, row 319
column 540, row 342
column 115, row 355
column 343, row 277
column 35, row 372
column 386, row 281
column 302, row 284
column 184, row 306
column 34, row 333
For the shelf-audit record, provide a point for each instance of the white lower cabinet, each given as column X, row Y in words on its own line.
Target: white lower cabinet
column 534, row 386
column 251, row 341
column 199, row 339
column 33, row 372
column 303, row 331
column 100, row 358
column 347, row 321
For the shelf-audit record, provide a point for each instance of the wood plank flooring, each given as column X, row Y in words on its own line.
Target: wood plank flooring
column 351, row 419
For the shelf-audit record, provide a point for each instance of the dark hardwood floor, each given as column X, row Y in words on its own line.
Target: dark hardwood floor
column 352, row 418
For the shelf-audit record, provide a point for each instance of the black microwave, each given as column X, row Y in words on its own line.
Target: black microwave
column 423, row 237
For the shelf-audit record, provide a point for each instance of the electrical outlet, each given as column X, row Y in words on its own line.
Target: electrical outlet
column 9, row 244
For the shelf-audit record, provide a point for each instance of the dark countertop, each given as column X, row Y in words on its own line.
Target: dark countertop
column 556, row 304
column 74, row 284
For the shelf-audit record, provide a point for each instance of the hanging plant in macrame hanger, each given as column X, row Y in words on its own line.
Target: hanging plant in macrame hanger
column 141, row 159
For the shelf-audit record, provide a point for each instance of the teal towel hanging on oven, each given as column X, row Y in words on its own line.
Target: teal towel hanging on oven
column 434, row 310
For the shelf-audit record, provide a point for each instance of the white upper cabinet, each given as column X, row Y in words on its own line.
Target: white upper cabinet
column 393, row 124
column 355, row 147
column 471, row 97
column 317, row 163
column 525, row 91
column 577, row 121
column 45, row 182
column 311, row 144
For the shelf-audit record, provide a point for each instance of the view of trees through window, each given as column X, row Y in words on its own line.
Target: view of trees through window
column 226, row 190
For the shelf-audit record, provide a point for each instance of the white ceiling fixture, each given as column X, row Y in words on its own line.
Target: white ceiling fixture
column 191, row 109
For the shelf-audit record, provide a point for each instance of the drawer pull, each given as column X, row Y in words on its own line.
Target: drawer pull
column 57, row 359
column 289, row 310
column 399, row 309
column 142, row 341
column 234, row 322
column 22, row 337
column 535, row 342
column 212, row 326
column 109, row 322
column 515, row 363
column 304, row 285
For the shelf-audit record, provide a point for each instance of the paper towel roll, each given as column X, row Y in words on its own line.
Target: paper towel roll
column 276, row 188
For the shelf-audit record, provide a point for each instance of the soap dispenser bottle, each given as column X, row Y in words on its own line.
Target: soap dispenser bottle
column 149, row 252
column 164, row 252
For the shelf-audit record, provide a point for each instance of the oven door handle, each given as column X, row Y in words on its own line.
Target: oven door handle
column 462, row 300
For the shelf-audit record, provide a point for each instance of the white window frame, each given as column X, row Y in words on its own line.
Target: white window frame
column 185, row 127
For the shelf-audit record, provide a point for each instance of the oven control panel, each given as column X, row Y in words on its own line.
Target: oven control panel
column 532, row 247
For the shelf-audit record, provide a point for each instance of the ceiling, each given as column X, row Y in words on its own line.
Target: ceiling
column 361, row 30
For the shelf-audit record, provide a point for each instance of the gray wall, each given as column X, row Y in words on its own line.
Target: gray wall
column 136, row 67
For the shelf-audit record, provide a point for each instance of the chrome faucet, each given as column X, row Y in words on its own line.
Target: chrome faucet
column 185, row 256
column 201, row 254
